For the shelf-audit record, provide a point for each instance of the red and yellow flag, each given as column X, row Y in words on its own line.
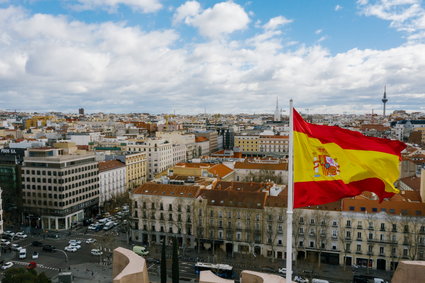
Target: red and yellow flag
column 331, row 163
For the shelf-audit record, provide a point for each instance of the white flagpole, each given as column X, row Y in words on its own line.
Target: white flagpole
column 289, row 211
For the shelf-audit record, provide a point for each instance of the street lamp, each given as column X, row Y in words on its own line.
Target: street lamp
column 66, row 255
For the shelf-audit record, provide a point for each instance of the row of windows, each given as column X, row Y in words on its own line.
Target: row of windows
column 59, row 173
column 391, row 210
column 60, row 181
column 61, row 203
column 63, row 188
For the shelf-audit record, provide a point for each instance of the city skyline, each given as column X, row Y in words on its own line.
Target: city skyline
column 209, row 56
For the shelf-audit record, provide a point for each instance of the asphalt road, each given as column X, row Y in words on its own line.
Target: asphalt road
column 53, row 262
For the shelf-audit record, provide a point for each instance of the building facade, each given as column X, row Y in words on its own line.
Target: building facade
column 58, row 189
column 112, row 175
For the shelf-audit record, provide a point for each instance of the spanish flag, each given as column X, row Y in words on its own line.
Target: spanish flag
column 331, row 163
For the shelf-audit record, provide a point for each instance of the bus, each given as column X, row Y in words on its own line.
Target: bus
column 221, row 270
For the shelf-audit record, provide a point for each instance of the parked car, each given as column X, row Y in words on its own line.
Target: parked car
column 34, row 255
column 52, row 235
column 21, row 235
column 7, row 265
column 74, row 242
column 9, row 233
column 96, row 252
column 90, row 241
column 49, row 248
column 16, row 247
column 5, row 242
column 37, row 244
column 71, row 249
column 77, row 246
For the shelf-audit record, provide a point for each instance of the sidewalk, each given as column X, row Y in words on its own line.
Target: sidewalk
column 91, row 272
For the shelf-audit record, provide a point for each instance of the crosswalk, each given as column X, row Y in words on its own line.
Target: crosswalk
column 38, row 265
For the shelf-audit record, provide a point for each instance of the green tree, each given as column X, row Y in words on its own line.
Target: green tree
column 22, row 275
column 175, row 263
column 163, row 264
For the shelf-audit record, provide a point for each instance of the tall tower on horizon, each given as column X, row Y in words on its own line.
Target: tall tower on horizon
column 384, row 99
column 276, row 111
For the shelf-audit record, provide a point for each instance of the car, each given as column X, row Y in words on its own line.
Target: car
column 71, row 249
column 21, row 235
column 96, row 252
column 9, row 233
column 34, row 255
column 5, row 242
column 52, row 235
column 7, row 265
column 75, row 246
column 32, row 265
column 37, row 244
column 90, row 241
column 282, row 270
column 72, row 242
column 152, row 260
column 16, row 247
column 92, row 227
column 49, row 248
column 300, row 279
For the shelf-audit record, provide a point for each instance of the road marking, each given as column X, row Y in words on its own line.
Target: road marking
column 38, row 265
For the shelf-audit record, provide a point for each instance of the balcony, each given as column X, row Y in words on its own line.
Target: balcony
column 360, row 227
column 370, row 253
column 370, row 228
column 348, row 226
column 322, row 235
column 348, row 238
column 359, row 239
column 359, row 252
column 382, row 254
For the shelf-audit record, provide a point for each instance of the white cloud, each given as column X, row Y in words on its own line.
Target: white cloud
column 223, row 18
column 144, row 6
column 276, row 22
column 318, row 31
column 338, row 8
column 404, row 15
column 54, row 63
column 187, row 11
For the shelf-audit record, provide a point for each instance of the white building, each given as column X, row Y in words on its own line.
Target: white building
column 161, row 154
column 111, row 180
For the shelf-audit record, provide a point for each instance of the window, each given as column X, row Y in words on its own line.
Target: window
column 359, row 248
column 382, row 226
column 359, row 235
column 348, row 223
column 363, row 208
column 374, row 209
column 381, row 250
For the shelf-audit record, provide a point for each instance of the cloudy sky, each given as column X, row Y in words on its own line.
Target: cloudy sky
column 163, row 56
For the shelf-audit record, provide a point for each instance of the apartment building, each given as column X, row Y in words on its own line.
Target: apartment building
column 273, row 144
column 60, row 186
column 247, row 143
column 235, row 217
column 136, row 167
column 186, row 139
column 160, row 153
column 212, row 136
column 261, row 170
column 112, row 175
column 1, row 212
column 161, row 212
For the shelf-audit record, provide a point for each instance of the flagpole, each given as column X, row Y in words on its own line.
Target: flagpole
column 289, row 211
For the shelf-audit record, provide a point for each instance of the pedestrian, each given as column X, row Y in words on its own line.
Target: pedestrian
column 92, row 274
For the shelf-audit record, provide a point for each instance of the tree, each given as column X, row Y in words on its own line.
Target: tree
column 175, row 263
column 163, row 264
column 22, row 275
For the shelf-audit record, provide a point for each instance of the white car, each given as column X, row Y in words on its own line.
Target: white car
column 77, row 246
column 7, row 265
column 300, row 279
column 96, row 252
column 21, row 235
column 34, row 255
column 16, row 247
column 72, row 242
column 5, row 242
column 92, row 227
column 282, row 270
column 71, row 249
column 10, row 233
column 90, row 241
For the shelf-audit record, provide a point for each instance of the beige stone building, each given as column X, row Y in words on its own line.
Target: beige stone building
column 136, row 167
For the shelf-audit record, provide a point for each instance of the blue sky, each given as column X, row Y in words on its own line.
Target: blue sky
column 226, row 56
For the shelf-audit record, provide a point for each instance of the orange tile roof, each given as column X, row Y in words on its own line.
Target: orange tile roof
column 110, row 165
column 220, row 170
column 261, row 166
column 412, row 182
column 241, row 186
column 201, row 139
column 255, row 200
column 193, row 165
column 407, row 202
column 167, row 190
